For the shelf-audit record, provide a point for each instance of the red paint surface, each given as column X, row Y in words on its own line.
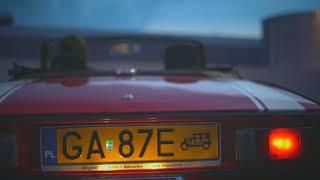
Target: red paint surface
column 150, row 94
column 105, row 94
column 29, row 151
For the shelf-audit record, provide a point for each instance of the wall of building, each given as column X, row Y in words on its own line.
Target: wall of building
column 293, row 40
column 291, row 45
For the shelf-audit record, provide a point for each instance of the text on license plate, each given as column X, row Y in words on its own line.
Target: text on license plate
column 116, row 144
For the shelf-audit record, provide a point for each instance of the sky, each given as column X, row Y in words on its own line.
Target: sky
column 236, row 18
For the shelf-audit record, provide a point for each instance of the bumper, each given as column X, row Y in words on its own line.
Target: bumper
column 262, row 174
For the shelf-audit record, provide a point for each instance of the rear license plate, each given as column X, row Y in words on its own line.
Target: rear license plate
column 94, row 148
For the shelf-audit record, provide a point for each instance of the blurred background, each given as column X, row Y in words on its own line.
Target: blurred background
column 276, row 41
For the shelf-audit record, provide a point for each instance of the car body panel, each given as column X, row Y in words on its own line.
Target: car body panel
column 29, row 161
column 145, row 94
column 27, row 106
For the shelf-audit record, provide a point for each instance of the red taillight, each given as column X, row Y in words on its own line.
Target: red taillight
column 284, row 143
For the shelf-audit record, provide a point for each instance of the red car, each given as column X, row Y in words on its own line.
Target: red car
column 187, row 122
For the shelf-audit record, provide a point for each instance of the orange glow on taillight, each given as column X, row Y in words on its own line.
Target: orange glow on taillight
column 284, row 143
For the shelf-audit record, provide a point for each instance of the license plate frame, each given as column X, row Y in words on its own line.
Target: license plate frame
column 113, row 166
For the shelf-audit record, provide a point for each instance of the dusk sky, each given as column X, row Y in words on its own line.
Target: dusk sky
column 238, row 18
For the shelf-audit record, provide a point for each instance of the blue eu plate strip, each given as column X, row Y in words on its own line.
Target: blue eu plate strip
column 49, row 146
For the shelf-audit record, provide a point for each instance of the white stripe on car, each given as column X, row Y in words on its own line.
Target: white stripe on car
column 7, row 88
column 270, row 97
column 250, row 96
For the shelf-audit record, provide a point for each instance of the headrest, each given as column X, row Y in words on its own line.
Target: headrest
column 184, row 56
column 71, row 54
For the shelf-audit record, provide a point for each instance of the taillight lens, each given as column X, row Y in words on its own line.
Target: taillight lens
column 284, row 143
column 266, row 143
